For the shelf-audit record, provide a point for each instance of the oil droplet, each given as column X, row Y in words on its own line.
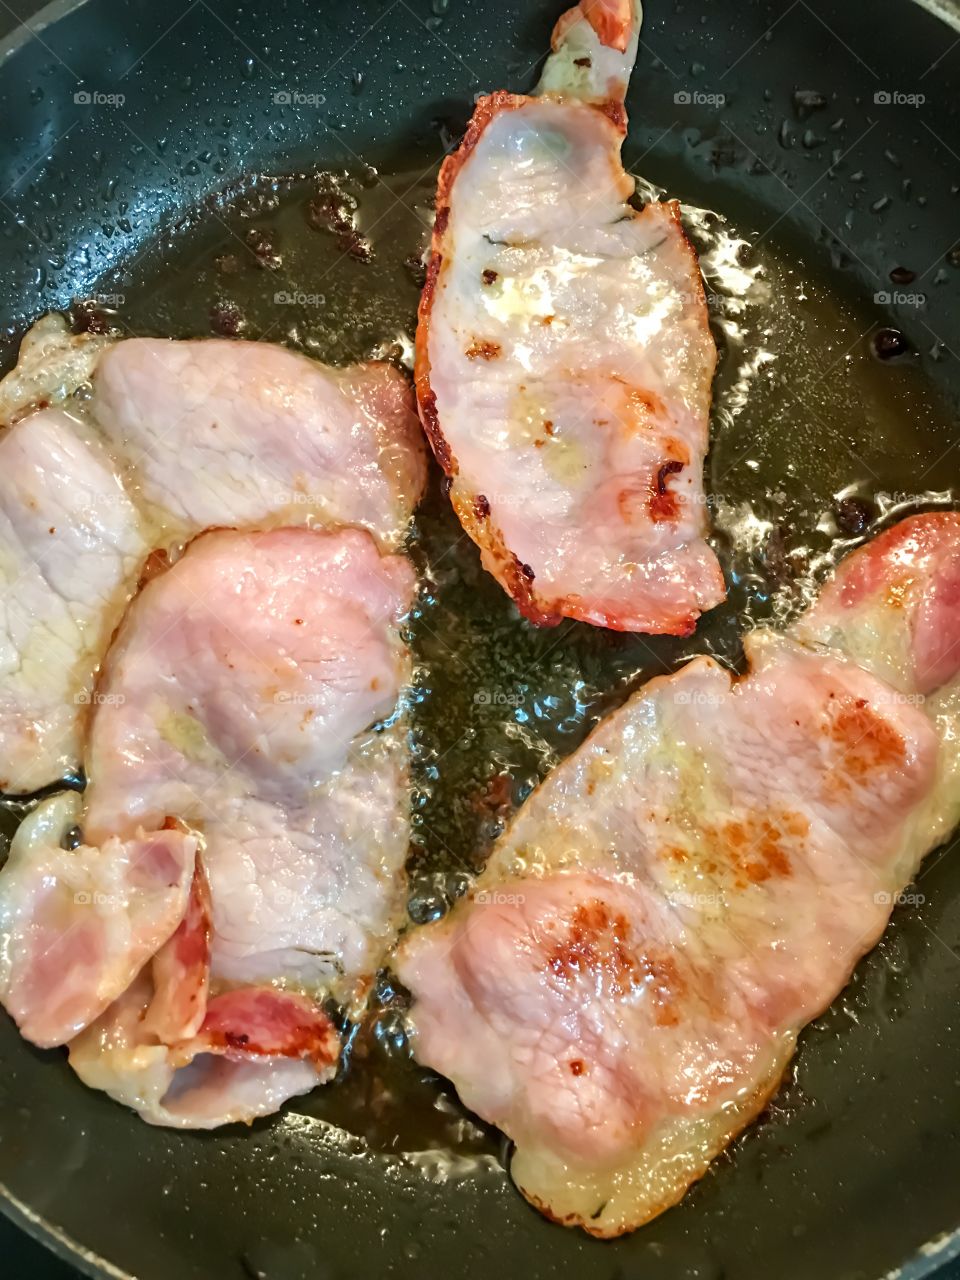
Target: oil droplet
column 806, row 101
column 853, row 516
column 888, row 344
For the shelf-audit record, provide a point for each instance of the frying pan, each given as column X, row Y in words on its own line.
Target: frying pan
column 854, row 1172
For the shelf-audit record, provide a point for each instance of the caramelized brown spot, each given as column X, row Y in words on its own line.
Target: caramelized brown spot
column 668, row 469
column 427, row 404
column 482, row 507
column 595, row 943
column 867, row 741
column 614, row 111
column 795, row 824
column 753, row 847
column 643, row 406
column 156, row 562
column 489, row 276
column 664, row 503
column 896, row 593
column 577, row 1066
column 495, row 799
column 583, row 62
column 482, row 349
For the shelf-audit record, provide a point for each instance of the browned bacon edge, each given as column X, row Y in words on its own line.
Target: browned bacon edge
column 473, row 510
column 863, row 568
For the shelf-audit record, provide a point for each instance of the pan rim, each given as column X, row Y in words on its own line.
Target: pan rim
column 45, row 17
column 929, row 1257
column 41, row 1229
column 947, row 11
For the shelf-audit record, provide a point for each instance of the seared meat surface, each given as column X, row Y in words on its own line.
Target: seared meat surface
column 623, row 988
column 240, row 697
column 238, row 857
column 564, row 356
column 244, row 698
column 171, row 439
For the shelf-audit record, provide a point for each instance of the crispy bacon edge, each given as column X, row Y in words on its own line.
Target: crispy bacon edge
column 473, row 510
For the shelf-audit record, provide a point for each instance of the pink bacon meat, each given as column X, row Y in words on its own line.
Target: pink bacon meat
column 623, row 989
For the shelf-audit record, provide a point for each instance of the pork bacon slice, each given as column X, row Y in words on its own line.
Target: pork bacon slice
column 77, row 925
column 622, row 990
column 167, row 438
column 256, row 1048
column 214, row 432
column 564, row 359
column 251, row 694
column 71, row 541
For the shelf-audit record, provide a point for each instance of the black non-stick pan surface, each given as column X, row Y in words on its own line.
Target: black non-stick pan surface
column 157, row 167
